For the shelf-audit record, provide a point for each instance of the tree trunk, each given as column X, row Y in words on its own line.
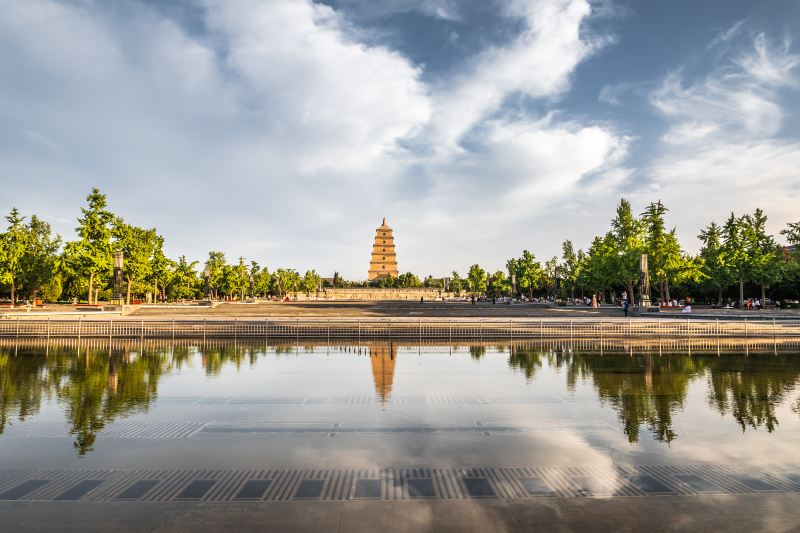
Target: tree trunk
column 91, row 287
column 719, row 300
column 741, row 290
column 128, row 296
column 13, row 293
column 96, row 295
column 155, row 291
column 666, row 289
column 763, row 294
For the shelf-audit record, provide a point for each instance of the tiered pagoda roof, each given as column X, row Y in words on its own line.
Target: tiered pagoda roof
column 383, row 263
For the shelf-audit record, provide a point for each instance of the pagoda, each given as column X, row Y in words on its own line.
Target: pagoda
column 383, row 263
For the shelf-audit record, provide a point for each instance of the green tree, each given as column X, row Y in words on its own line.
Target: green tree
column 12, row 251
column 162, row 270
column 407, row 281
column 664, row 254
column 792, row 233
column 262, row 282
column 792, row 261
column 596, row 272
column 40, row 262
column 737, row 250
column 456, row 284
column 627, row 235
column 712, row 255
column 185, row 277
column 286, row 281
column 477, row 279
column 138, row 246
column 310, row 282
column 549, row 277
column 91, row 255
column 765, row 254
column 528, row 272
column 239, row 279
column 498, row 284
column 216, row 270
column 570, row 267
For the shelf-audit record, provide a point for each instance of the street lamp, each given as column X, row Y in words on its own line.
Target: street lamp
column 207, row 277
column 644, row 281
column 116, row 298
column 557, row 275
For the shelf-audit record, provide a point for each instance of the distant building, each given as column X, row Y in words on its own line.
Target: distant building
column 383, row 263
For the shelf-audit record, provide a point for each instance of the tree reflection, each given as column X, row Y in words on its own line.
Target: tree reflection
column 749, row 388
column 526, row 360
column 97, row 388
column 647, row 389
column 23, row 382
column 643, row 389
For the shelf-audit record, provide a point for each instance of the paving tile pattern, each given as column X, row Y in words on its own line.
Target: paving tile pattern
column 396, row 484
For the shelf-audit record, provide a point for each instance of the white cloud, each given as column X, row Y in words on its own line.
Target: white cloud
column 275, row 135
column 722, row 150
column 538, row 64
column 443, row 9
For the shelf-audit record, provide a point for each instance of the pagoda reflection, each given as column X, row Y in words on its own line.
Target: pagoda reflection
column 382, row 358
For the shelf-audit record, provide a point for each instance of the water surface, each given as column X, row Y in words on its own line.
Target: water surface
column 381, row 404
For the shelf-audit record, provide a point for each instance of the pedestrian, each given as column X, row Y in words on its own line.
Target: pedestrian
column 625, row 306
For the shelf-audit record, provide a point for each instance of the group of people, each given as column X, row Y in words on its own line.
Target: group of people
column 751, row 304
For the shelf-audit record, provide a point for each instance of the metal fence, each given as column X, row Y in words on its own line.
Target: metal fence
column 396, row 328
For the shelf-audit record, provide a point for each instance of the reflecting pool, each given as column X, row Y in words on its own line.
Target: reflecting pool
column 385, row 406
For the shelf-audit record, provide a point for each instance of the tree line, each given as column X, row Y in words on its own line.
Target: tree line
column 736, row 256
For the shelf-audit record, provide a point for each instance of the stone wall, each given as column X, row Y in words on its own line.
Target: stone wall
column 374, row 294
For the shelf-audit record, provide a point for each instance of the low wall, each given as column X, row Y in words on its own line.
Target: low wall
column 375, row 294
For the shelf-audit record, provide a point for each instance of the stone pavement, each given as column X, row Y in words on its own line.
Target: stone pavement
column 729, row 513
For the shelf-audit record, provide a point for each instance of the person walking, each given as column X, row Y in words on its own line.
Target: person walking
column 625, row 306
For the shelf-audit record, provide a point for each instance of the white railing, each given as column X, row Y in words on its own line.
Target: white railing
column 397, row 328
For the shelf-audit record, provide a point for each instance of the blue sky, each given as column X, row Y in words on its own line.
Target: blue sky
column 284, row 130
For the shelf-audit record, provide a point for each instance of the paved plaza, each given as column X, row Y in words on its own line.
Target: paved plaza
column 728, row 513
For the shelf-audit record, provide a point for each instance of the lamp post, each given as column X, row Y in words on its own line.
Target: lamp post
column 116, row 298
column 644, row 281
column 557, row 275
column 207, row 278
